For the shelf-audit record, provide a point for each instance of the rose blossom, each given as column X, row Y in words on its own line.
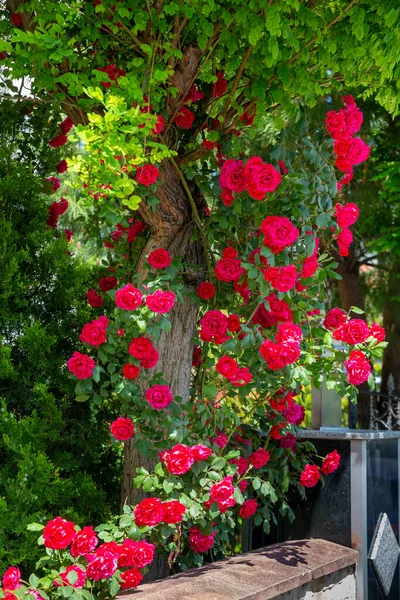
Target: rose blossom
column 248, row 509
column 11, row 579
column 221, row 440
column 141, row 554
column 84, row 542
column 294, row 414
column 278, row 233
column 159, row 396
column 289, row 441
column 201, row 452
column 108, row 283
column 58, row 533
column 358, row 367
column 128, row 297
column 346, row 215
column 228, row 269
column 261, row 178
column 310, row 476
column 62, row 166
column 131, row 579
column 93, row 334
column 122, row 429
column 173, row 512
column 242, row 464
column 147, row 174
column 310, row 265
column 234, row 323
column 278, row 356
column 335, row 318
column 142, row 349
column 232, row 176
column 241, row 377
column 79, row 583
column 289, row 332
column 227, row 366
column 377, row 332
column 335, row 123
column 179, row 459
column 160, row 259
column 206, row 290
column 282, row 279
column 130, row 371
column 214, row 325
column 243, row 485
column 160, row 302
column 259, row 458
column 81, row 365
column 218, row 88
column 354, row 331
column 200, row 542
column 330, row 462
column 102, row 564
column 148, row 512
column 221, row 491
column 184, row 118
column 94, row 299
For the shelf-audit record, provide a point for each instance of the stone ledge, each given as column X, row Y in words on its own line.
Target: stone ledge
column 258, row 575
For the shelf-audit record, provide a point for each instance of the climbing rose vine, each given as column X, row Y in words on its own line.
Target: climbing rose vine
column 266, row 229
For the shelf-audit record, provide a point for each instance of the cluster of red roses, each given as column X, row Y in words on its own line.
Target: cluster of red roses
column 353, row 332
column 185, row 116
column 311, row 473
column 349, row 151
column 113, row 72
column 255, row 177
column 345, row 215
column 61, row 138
column 229, row 368
column 56, row 210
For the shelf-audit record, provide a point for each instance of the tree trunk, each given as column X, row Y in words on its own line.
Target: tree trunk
column 171, row 227
column 391, row 323
column 350, row 295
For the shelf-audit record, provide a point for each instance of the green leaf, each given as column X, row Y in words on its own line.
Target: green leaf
column 167, row 486
column 356, row 310
column 35, row 527
column 218, row 463
column 81, row 398
column 125, row 521
column 132, row 202
column 114, row 586
column 34, row 581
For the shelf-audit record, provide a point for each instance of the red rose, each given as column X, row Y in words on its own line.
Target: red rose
column 354, row 331
column 84, row 542
column 223, row 490
column 377, row 332
column 278, row 356
column 58, row 534
column 102, row 564
column 207, row 145
column 280, row 312
column 122, row 429
column 206, row 290
column 113, row 72
column 335, row 318
column 179, row 459
column 242, row 464
column 16, row 19
column 160, row 302
column 232, row 176
column 218, row 88
column 214, row 325
column 261, row 178
column 51, row 185
column 147, row 174
column 11, row 579
column 241, row 377
column 228, row 269
column 194, row 94
column 201, row 452
column 227, row 366
column 173, row 512
column 234, row 323
column 227, row 197
column 79, row 583
column 128, row 297
column 130, row 371
column 160, row 259
column 353, row 118
column 81, row 365
column 141, row 554
column 57, row 142
column 336, row 123
column 289, row 441
column 358, row 152
column 289, row 332
column 143, row 349
column 346, row 215
column 66, row 125
column 277, row 431
column 310, row 265
column 358, row 367
column 342, row 146
column 131, row 579
column 344, row 239
column 310, row 476
column 282, row 400
column 294, row 414
column 248, row 509
column 259, row 458
column 282, row 279
column 243, row 485
column 200, row 542
column 148, row 512
column 184, row 118
column 108, row 283
column 330, row 462
column 159, row 396
column 278, row 233
column 94, row 299
column 62, row 166
column 283, row 167
column 93, row 334
column 230, row 252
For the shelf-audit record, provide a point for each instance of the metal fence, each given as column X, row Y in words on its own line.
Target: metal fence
column 384, row 409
